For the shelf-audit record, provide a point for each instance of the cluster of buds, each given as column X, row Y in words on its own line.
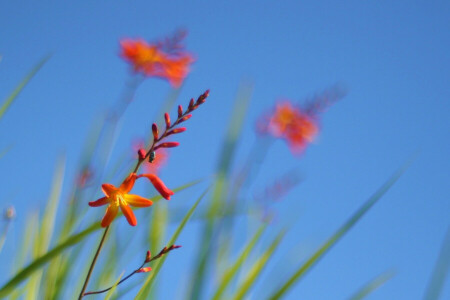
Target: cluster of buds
column 149, row 258
column 141, row 269
column 170, row 128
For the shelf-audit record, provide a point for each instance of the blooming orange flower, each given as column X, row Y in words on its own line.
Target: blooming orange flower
column 153, row 60
column 120, row 197
column 292, row 124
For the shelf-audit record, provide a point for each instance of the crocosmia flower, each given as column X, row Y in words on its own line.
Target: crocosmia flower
column 120, row 198
column 164, row 60
column 292, row 124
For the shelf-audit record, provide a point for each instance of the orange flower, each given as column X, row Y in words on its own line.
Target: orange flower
column 154, row 60
column 292, row 124
column 120, row 197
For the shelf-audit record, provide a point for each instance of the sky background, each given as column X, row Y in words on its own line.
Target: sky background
column 393, row 59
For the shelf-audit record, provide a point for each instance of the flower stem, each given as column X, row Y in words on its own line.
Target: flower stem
column 94, row 260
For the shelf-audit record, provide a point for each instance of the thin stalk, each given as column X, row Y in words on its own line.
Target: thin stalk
column 93, row 263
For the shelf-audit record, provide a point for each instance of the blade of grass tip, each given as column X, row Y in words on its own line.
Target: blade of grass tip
column 220, row 186
column 145, row 289
column 258, row 267
column 373, row 285
column 70, row 241
column 113, row 289
column 48, row 219
column 316, row 256
column 6, row 150
column 233, row 270
column 440, row 271
column 7, row 103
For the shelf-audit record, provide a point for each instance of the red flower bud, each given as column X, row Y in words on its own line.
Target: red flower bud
column 155, row 131
column 191, row 104
column 180, row 111
column 148, row 257
column 177, row 130
column 141, row 154
column 167, row 145
column 186, row 117
column 167, row 118
column 144, row 270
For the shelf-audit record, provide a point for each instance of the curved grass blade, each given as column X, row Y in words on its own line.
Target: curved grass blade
column 232, row 271
column 21, row 85
column 258, row 267
column 440, row 271
column 72, row 240
column 113, row 289
column 338, row 234
column 220, row 187
column 145, row 289
column 373, row 285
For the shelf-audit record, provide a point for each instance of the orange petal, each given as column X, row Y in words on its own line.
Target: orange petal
column 110, row 214
column 99, row 202
column 128, row 183
column 159, row 185
column 108, row 189
column 138, row 201
column 128, row 213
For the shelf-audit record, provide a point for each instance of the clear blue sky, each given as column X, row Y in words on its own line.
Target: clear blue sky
column 393, row 58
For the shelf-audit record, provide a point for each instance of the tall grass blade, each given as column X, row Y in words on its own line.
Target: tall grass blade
column 220, row 187
column 258, row 267
column 338, row 234
column 7, row 103
column 233, row 270
column 440, row 271
column 372, row 285
column 145, row 289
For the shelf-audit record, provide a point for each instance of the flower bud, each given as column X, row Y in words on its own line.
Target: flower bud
column 180, row 111
column 167, row 145
column 148, row 257
column 155, row 131
column 141, row 154
column 167, row 119
column 144, row 270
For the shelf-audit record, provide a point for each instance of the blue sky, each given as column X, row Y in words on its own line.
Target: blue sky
column 393, row 58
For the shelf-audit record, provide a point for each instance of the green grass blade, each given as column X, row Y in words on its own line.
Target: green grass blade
column 233, row 270
column 21, row 85
column 72, row 240
column 220, row 187
column 258, row 267
column 145, row 289
column 113, row 289
column 440, row 271
column 372, row 285
column 338, row 234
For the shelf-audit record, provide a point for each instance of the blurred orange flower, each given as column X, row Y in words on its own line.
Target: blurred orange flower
column 292, row 124
column 120, row 197
column 165, row 60
column 158, row 162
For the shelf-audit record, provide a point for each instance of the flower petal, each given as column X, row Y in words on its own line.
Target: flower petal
column 128, row 213
column 128, row 183
column 159, row 185
column 138, row 201
column 99, row 202
column 108, row 189
column 110, row 214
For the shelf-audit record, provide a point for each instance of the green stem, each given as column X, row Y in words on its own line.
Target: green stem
column 88, row 276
